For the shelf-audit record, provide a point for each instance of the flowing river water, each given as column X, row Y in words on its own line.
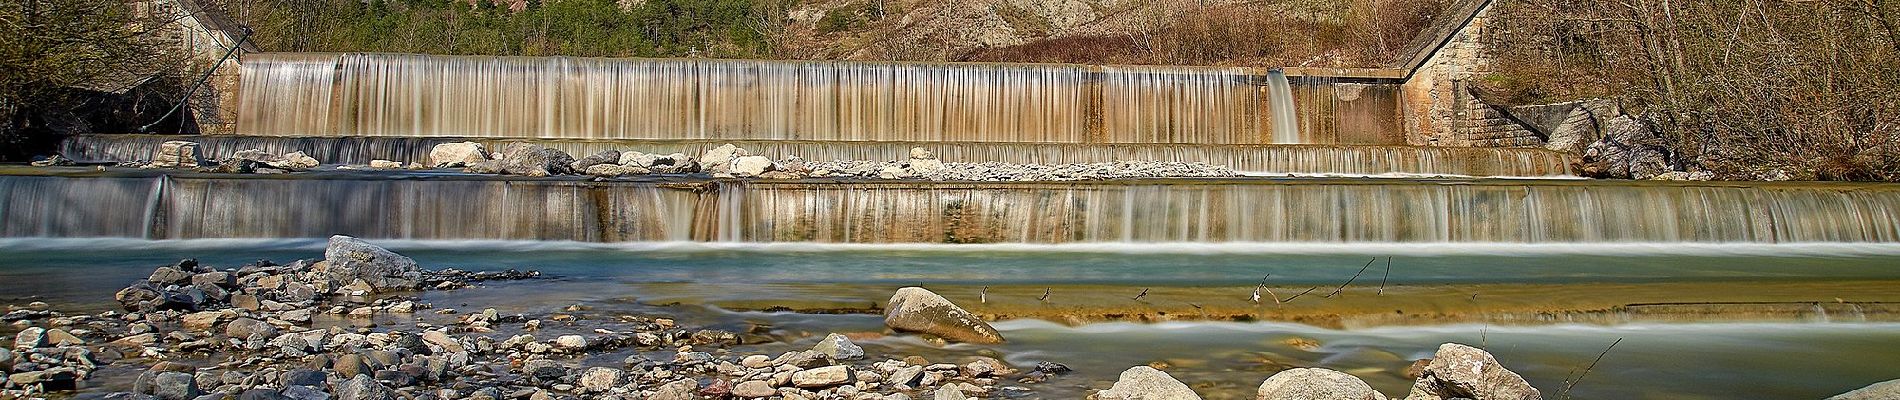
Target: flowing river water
column 1697, row 321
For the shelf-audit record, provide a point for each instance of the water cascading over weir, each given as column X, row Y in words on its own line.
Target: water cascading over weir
column 352, row 108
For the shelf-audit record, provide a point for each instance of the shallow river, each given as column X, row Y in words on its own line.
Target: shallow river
column 1697, row 321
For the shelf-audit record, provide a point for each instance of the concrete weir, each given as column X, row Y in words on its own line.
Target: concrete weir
column 436, row 206
column 1271, row 159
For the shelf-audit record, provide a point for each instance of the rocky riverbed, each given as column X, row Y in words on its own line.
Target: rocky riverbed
column 726, row 161
column 353, row 325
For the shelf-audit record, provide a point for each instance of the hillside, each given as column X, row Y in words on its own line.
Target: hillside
column 1218, row 32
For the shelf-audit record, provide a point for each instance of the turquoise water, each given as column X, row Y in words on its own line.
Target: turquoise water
column 1692, row 359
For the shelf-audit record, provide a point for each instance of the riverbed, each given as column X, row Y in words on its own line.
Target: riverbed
column 1696, row 321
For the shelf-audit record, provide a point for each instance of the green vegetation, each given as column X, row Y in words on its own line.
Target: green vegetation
column 1741, row 89
column 651, row 28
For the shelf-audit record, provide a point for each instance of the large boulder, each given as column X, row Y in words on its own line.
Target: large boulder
column 457, row 155
column 1889, row 390
column 349, row 259
column 1459, row 371
column 1630, row 149
column 719, row 159
column 751, row 166
column 527, row 160
column 914, row 309
column 1315, row 384
column 1145, row 383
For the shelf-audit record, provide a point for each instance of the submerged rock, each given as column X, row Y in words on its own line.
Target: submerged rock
column 1460, row 371
column 457, row 155
column 1145, row 383
column 1315, row 384
column 915, row 309
column 349, row 259
column 1889, row 390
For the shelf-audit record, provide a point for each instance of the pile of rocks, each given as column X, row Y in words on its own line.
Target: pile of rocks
column 259, row 332
column 533, row 160
column 729, row 161
column 179, row 154
column 1456, row 371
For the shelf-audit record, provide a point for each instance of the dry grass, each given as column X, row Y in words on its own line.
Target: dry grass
column 1355, row 34
column 1748, row 90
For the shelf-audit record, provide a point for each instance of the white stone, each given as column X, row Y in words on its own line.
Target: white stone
column 458, row 154
column 1144, row 383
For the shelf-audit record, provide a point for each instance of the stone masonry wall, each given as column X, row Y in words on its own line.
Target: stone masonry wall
column 1438, row 104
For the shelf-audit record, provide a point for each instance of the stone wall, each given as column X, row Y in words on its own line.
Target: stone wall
column 1438, row 105
column 208, row 36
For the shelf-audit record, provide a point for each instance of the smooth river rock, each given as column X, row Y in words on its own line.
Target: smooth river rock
column 839, row 348
column 914, row 309
column 1145, row 383
column 457, row 155
column 1315, row 384
column 1460, row 371
column 349, row 259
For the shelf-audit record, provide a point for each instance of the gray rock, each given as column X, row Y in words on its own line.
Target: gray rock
column 1889, row 390
column 348, row 259
column 305, row 393
column 751, row 166
column 175, row 386
column 598, row 379
column 915, row 309
column 350, row 365
column 261, row 394
column 442, row 339
column 1630, row 149
column 243, row 328
column 304, row 377
column 169, row 276
column 30, row 338
column 754, row 389
column 1315, row 384
column 984, row 367
column 571, row 342
column 949, row 392
column 1144, row 383
column 527, row 160
column 363, row 387
column 822, row 377
column 719, row 159
column 1460, row 371
column 294, row 161
column 457, row 155
column 839, row 347
column 608, row 157
column 676, row 390
column 177, row 154
column 613, row 170
column 51, row 380
column 906, row 376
